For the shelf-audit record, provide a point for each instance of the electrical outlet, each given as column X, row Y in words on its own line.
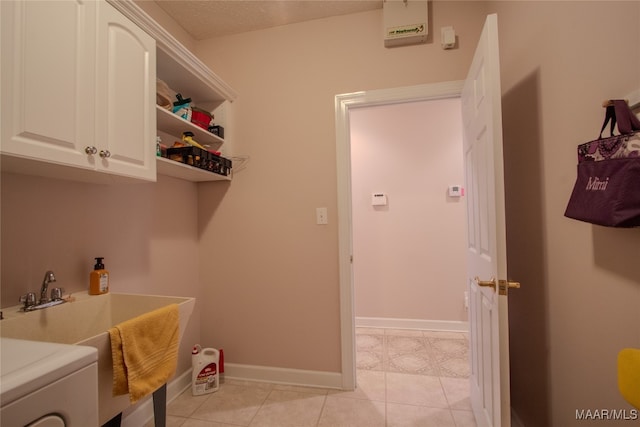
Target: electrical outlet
column 321, row 216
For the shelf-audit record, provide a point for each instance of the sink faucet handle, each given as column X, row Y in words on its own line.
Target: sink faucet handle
column 28, row 299
column 56, row 294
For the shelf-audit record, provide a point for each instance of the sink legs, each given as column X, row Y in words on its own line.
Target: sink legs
column 159, row 410
column 160, row 406
column 114, row 422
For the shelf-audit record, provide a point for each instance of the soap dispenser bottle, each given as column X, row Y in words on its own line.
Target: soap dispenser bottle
column 98, row 279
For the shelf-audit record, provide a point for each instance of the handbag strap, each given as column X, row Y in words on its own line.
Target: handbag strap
column 610, row 115
column 627, row 121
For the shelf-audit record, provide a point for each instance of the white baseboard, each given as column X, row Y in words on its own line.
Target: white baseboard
column 298, row 377
column 143, row 413
column 392, row 323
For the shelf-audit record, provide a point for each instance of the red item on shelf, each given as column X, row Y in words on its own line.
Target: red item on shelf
column 200, row 119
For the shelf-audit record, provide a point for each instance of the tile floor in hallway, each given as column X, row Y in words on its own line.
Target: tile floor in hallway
column 405, row 378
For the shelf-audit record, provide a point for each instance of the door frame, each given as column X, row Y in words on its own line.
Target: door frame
column 343, row 105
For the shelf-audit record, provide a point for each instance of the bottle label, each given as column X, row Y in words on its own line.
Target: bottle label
column 104, row 282
column 206, row 378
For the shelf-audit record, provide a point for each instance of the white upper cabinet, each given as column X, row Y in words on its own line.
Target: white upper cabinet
column 126, row 83
column 78, row 83
column 78, row 90
column 48, row 80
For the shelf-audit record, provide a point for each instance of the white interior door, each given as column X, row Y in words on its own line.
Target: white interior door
column 486, row 254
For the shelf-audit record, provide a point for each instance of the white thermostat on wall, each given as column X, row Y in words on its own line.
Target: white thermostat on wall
column 456, row 191
column 378, row 199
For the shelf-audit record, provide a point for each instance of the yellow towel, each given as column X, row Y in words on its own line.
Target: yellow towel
column 629, row 375
column 145, row 352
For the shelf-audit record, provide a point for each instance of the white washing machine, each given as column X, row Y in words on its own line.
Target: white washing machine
column 47, row 385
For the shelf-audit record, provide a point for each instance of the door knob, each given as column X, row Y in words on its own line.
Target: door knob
column 505, row 285
column 90, row 150
column 486, row 283
column 501, row 285
column 513, row 285
column 105, row 154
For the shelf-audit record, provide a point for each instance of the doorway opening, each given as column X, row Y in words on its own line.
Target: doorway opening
column 345, row 104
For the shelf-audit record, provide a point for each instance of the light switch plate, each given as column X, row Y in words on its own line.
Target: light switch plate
column 321, row 216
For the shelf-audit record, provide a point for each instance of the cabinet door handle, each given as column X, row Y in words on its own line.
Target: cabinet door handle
column 105, row 154
column 90, row 150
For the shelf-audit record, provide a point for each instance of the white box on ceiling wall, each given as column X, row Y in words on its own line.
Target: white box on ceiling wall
column 405, row 22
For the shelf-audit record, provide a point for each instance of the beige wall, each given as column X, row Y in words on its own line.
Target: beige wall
column 579, row 303
column 271, row 273
column 146, row 232
column 408, row 254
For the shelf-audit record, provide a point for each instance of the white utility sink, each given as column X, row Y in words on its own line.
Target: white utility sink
column 86, row 321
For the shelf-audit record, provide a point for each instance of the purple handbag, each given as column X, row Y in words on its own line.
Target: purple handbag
column 607, row 189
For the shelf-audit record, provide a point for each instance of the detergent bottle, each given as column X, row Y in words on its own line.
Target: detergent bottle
column 205, row 376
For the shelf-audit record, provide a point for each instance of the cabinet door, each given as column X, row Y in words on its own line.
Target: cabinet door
column 47, row 80
column 125, row 113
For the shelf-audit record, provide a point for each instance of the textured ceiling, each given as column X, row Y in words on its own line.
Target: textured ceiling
column 204, row 19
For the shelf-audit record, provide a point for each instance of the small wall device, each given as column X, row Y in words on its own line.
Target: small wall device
column 447, row 38
column 378, row 199
column 405, row 22
column 456, row 191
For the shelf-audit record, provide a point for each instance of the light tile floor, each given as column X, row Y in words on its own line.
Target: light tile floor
column 405, row 378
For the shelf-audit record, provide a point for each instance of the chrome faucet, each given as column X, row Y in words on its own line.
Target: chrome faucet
column 48, row 278
column 29, row 299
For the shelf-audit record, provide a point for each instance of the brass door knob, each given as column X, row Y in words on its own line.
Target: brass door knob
column 505, row 285
column 513, row 285
column 500, row 285
column 486, row 283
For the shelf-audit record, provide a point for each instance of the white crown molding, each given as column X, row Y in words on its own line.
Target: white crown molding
column 173, row 48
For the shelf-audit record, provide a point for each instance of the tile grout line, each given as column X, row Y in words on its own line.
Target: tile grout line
column 324, row 402
column 260, row 407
